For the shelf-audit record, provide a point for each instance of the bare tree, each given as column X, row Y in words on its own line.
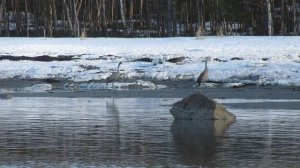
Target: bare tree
column 141, row 14
column 270, row 20
column 104, row 15
column 27, row 19
column 49, row 18
column 76, row 8
column 17, row 15
column 174, row 13
column 170, row 18
column 6, row 21
column 295, row 22
column 68, row 16
column 54, row 13
column 1, row 16
column 131, row 13
column 112, row 10
column 122, row 11
column 282, row 24
column 155, row 17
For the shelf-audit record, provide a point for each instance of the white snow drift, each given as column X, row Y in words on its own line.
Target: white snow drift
column 257, row 60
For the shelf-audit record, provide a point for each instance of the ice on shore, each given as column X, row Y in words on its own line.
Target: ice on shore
column 254, row 60
column 140, row 84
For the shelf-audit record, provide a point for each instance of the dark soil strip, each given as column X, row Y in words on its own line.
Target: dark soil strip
column 43, row 58
column 144, row 59
column 176, row 60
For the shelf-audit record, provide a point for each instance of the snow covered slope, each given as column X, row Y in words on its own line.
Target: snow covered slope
column 257, row 60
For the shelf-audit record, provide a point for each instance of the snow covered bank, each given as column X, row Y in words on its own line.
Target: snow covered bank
column 256, row 60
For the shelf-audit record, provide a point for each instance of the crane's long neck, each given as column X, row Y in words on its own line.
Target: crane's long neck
column 118, row 70
column 205, row 64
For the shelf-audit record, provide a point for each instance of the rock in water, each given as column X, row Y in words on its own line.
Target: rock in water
column 200, row 107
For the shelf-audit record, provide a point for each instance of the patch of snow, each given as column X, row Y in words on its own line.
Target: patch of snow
column 255, row 60
column 114, row 86
column 204, row 85
column 34, row 88
column 38, row 88
column 234, row 85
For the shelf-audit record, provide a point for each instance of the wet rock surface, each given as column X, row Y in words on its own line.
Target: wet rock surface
column 199, row 107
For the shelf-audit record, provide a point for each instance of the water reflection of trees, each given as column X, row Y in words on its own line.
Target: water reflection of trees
column 196, row 141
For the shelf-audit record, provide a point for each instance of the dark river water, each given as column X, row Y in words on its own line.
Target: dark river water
column 140, row 132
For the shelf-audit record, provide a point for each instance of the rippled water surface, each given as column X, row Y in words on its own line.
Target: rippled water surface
column 140, row 132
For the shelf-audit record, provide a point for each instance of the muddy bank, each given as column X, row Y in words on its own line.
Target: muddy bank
column 42, row 58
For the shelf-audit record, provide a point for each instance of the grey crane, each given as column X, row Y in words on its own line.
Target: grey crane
column 114, row 76
column 203, row 77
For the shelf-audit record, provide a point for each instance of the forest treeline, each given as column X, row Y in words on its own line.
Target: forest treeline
column 148, row 18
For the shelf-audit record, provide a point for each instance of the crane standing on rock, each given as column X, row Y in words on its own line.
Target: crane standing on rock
column 203, row 77
column 114, row 76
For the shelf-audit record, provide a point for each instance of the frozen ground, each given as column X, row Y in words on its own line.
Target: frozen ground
column 239, row 60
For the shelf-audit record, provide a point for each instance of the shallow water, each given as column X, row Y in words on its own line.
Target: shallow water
column 140, row 132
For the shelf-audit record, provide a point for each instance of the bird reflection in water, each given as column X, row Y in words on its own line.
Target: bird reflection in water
column 113, row 110
column 196, row 140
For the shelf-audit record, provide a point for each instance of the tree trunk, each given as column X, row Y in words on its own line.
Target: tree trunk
column 35, row 20
column 174, row 13
column 200, row 28
column 148, row 20
column 202, row 17
column 49, row 27
column 270, row 20
column 170, row 18
column 6, row 22
column 76, row 7
column 141, row 14
column 123, row 17
column 68, row 16
column 1, row 16
column 198, row 8
column 112, row 11
column 186, row 18
column 104, row 14
column 27, row 20
column 131, row 13
column 54, row 14
column 64, row 16
column 294, row 18
column 17, row 16
column 282, row 26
